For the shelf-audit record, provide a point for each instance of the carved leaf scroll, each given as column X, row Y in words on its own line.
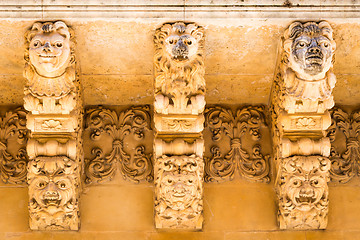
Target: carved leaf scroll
column 137, row 165
column 13, row 162
column 250, row 164
column 344, row 164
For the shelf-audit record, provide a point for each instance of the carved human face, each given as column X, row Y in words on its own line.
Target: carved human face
column 179, row 189
column 311, row 54
column 49, row 53
column 181, row 47
column 306, row 190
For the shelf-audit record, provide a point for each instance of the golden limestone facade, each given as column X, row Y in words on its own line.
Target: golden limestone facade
column 184, row 159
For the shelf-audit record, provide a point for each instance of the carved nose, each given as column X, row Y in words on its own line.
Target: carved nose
column 180, row 48
column 314, row 50
column 47, row 47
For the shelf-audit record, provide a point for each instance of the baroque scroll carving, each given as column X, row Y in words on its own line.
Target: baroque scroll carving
column 179, row 192
column 129, row 126
column 301, row 98
column 52, row 97
column 54, row 192
column 13, row 138
column 344, row 137
column 247, row 124
column 179, row 122
column 303, row 192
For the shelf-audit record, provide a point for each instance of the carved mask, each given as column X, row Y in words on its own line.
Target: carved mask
column 310, row 48
column 179, row 181
column 49, row 48
column 52, row 182
column 182, row 41
column 304, row 181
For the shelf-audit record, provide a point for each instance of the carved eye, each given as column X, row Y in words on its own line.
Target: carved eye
column 41, row 185
column 171, row 41
column 36, row 44
column 62, row 185
column 315, row 182
column 59, row 44
column 60, row 172
column 302, row 44
column 190, row 181
column 170, row 181
column 189, row 42
column 296, row 183
column 326, row 45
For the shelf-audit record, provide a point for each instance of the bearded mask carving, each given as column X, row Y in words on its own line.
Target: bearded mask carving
column 310, row 48
column 53, row 183
column 303, row 192
column 178, row 183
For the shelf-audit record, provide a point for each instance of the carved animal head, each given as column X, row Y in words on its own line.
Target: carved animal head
column 304, row 181
column 52, row 182
column 179, row 181
column 180, row 42
column 49, row 48
column 309, row 48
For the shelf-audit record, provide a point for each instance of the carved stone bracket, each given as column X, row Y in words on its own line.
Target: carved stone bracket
column 300, row 103
column 13, row 139
column 53, row 99
column 238, row 130
column 345, row 142
column 131, row 125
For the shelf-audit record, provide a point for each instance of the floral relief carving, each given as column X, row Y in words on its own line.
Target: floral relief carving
column 13, row 157
column 179, row 192
column 135, row 165
column 53, row 193
column 303, row 192
column 345, row 162
column 246, row 122
column 179, row 68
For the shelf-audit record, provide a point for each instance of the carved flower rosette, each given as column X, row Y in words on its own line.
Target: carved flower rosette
column 118, row 140
column 236, row 143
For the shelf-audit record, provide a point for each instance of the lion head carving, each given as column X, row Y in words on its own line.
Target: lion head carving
column 309, row 49
column 179, row 49
column 53, row 183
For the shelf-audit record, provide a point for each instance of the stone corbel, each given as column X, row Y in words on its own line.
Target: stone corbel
column 179, row 122
column 52, row 97
column 301, row 98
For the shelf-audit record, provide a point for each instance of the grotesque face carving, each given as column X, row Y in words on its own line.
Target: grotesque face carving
column 181, row 42
column 179, row 190
column 49, row 48
column 310, row 48
column 303, row 191
column 53, row 183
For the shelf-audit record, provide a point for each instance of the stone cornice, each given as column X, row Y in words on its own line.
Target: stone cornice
column 178, row 9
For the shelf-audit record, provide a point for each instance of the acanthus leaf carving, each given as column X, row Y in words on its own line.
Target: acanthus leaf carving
column 137, row 166
column 251, row 165
column 344, row 165
column 13, row 165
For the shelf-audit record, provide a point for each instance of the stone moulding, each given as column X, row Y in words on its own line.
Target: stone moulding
column 137, row 165
column 344, row 160
column 13, row 157
column 245, row 122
